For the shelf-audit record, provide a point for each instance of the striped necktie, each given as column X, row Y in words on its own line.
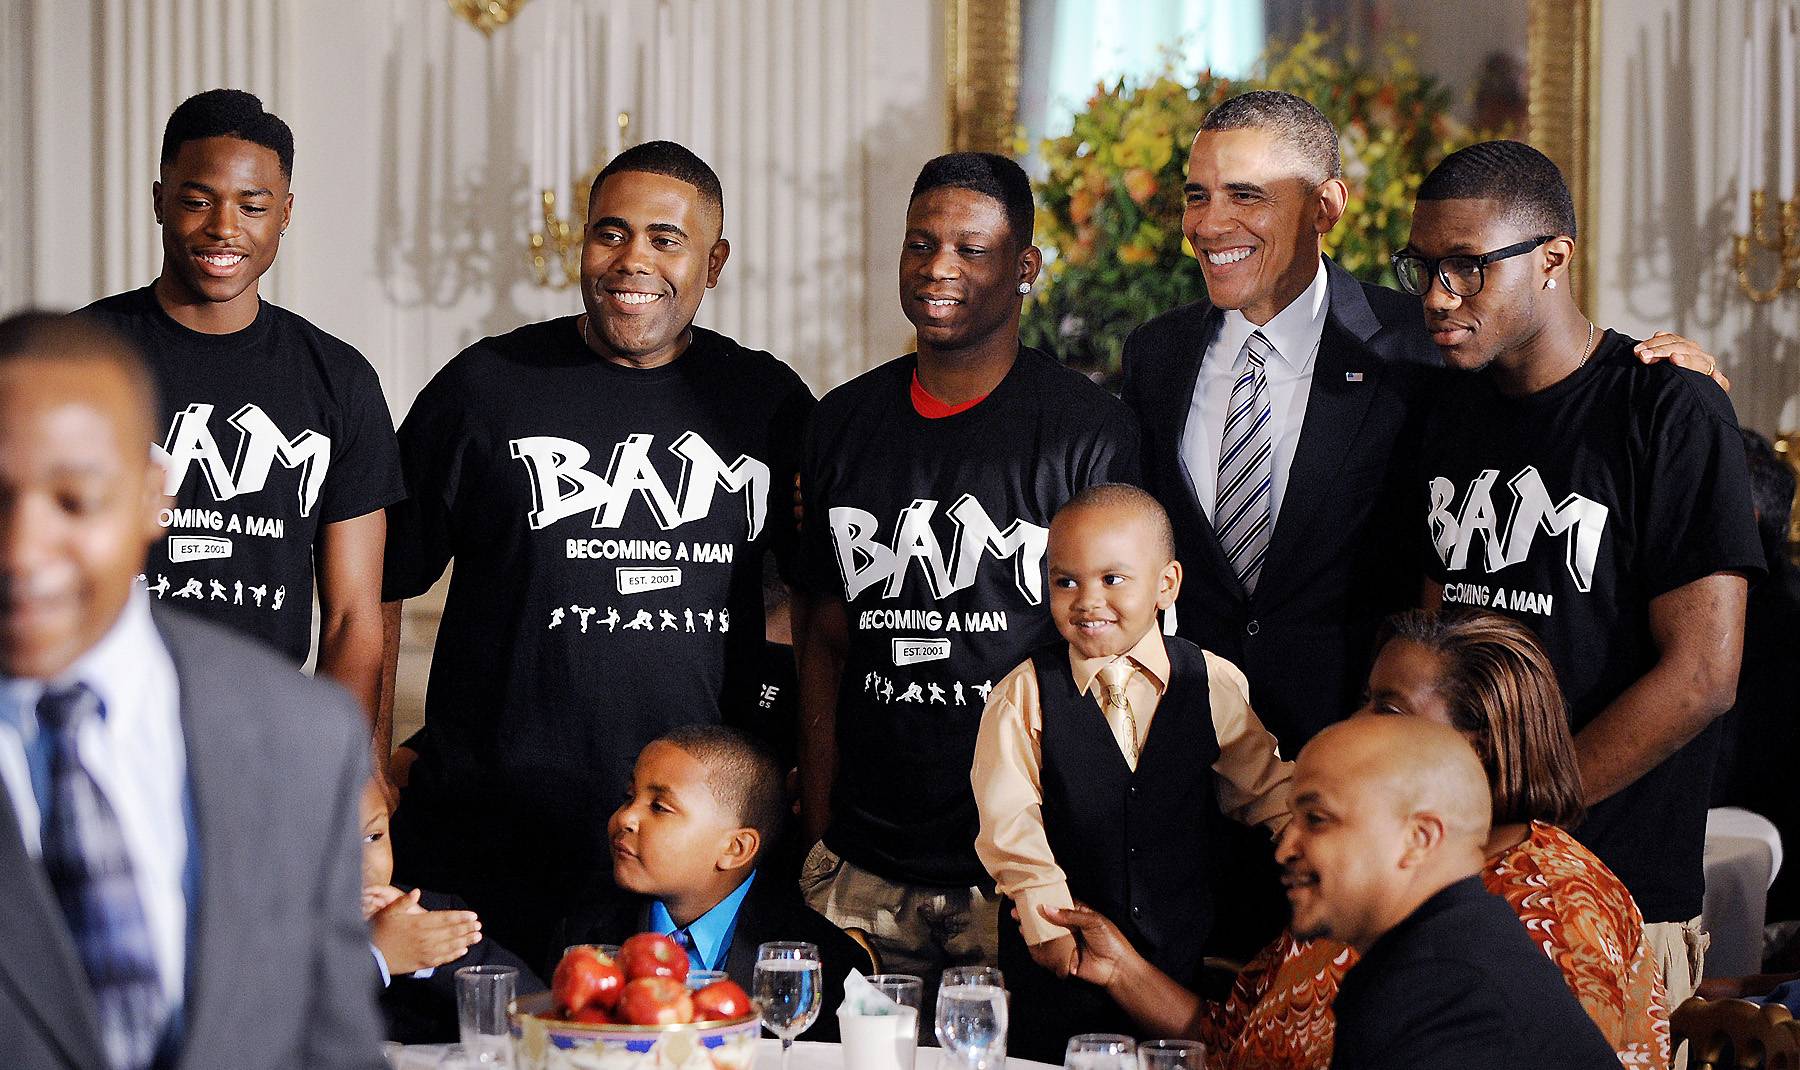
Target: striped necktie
column 1241, row 517
column 88, row 864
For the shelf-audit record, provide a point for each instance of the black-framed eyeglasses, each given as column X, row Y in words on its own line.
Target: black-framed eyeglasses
column 1461, row 275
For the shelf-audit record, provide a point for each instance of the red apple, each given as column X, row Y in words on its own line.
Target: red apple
column 655, row 1001
column 653, row 955
column 586, row 978
column 721, row 1000
column 592, row 1016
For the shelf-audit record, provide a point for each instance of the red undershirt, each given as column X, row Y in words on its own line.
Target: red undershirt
column 933, row 409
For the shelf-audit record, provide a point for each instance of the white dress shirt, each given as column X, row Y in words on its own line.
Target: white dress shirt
column 1294, row 333
column 136, row 755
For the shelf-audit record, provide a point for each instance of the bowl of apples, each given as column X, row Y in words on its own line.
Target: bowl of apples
column 634, row 1011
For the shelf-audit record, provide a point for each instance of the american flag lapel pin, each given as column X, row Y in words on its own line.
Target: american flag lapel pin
column 1353, row 377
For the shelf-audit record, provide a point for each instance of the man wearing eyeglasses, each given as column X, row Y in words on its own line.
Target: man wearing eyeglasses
column 1602, row 502
column 1279, row 419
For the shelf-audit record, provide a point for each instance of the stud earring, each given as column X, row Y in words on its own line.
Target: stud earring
column 1024, row 288
column 1549, row 284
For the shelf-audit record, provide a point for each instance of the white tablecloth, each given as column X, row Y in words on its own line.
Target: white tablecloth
column 807, row 1055
column 811, row 1055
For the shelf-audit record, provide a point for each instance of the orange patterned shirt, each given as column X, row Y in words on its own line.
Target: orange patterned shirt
column 1279, row 1012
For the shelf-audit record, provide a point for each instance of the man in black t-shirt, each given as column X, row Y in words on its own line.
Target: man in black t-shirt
column 279, row 448
column 608, row 485
column 929, row 486
column 1602, row 502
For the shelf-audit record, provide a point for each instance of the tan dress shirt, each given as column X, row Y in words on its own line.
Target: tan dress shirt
column 1252, row 777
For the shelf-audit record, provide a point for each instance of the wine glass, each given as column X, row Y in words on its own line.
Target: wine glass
column 1101, row 1051
column 971, row 1016
column 787, row 989
column 1171, row 1055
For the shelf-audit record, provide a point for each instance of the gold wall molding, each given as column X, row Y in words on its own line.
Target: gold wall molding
column 981, row 56
column 1561, row 43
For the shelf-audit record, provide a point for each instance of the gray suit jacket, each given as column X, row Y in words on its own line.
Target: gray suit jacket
column 278, row 956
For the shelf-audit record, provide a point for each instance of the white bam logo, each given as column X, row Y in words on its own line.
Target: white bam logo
column 865, row 561
column 561, row 485
column 1580, row 520
column 260, row 445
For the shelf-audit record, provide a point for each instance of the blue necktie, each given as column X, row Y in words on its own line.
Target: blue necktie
column 685, row 940
column 85, row 856
column 1246, row 469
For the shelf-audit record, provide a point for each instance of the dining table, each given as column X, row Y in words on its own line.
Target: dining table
column 807, row 1055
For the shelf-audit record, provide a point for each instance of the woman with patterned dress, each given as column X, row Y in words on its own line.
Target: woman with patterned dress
column 1487, row 677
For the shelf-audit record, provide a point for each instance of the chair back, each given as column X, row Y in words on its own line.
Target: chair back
column 1735, row 1034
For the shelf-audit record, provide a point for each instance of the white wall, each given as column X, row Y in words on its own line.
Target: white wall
column 1666, row 170
column 413, row 134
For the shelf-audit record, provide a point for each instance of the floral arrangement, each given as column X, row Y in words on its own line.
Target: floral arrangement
column 1109, row 214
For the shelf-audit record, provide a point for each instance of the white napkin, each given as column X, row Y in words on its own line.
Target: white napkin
column 861, row 997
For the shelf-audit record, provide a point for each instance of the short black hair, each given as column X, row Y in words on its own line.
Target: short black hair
column 228, row 113
column 1527, row 184
column 670, row 160
column 743, row 774
column 1301, row 126
column 1123, row 498
column 1771, row 492
column 35, row 334
column 987, row 173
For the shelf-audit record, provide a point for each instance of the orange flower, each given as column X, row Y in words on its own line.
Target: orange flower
column 1140, row 184
column 1133, row 253
column 1082, row 203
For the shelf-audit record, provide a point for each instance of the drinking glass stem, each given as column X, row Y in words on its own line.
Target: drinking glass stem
column 786, row 1043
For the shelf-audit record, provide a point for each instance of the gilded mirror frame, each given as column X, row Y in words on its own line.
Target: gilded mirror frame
column 981, row 52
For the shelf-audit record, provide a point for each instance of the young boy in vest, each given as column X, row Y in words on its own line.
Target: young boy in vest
column 1101, row 764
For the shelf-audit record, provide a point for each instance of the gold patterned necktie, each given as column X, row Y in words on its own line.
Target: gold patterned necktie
column 1113, row 679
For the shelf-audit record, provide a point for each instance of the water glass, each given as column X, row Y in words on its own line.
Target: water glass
column 1171, row 1055
column 484, row 999
column 698, row 979
column 787, row 981
column 904, row 989
column 971, row 1016
column 1100, row 1051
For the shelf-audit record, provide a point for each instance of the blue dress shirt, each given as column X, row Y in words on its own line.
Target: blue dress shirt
column 711, row 932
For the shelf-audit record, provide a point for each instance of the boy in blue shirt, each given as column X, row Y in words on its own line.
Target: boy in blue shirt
column 706, row 803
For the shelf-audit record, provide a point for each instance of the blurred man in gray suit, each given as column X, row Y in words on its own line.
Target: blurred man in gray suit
column 178, row 838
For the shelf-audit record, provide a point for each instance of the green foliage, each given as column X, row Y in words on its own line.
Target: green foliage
column 1109, row 217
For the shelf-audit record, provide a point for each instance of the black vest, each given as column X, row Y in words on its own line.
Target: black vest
column 1134, row 844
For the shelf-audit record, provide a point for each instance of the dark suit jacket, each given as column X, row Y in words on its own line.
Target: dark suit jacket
column 1460, row 983
column 772, row 911
column 278, row 956
column 1342, row 555
column 422, row 1010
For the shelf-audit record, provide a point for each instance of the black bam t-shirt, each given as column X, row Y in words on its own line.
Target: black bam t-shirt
column 269, row 433
column 933, row 532
column 608, row 526
column 1571, row 509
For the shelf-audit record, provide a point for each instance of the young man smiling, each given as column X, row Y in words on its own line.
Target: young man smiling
column 300, row 413
column 607, row 484
column 930, row 483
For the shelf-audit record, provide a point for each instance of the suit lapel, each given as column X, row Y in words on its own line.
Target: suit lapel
column 221, row 750
column 1346, row 376
column 1180, row 399
column 39, row 961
